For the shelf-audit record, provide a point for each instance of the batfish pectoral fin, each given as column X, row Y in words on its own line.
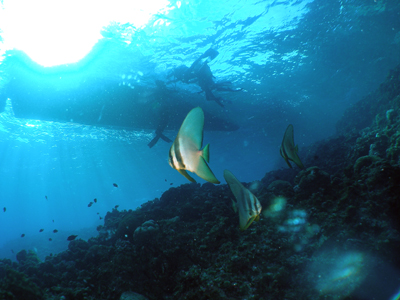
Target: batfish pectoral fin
column 184, row 173
column 204, row 171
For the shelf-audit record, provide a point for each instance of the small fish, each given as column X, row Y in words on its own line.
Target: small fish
column 45, row 197
column 50, row 239
column 22, row 235
column 100, row 218
column 288, row 150
column 246, row 203
column 171, row 183
column 55, row 230
column 71, row 237
column 12, row 251
column 90, row 204
column 114, row 184
column 116, row 206
column 4, row 209
column 53, row 221
column 98, row 213
column 95, row 200
column 185, row 155
column 41, row 230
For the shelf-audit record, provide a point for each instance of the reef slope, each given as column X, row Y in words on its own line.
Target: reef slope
column 343, row 207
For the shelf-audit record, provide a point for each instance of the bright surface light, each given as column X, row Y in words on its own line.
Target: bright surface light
column 54, row 32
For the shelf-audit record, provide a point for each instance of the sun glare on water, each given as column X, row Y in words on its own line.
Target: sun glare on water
column 55, row 32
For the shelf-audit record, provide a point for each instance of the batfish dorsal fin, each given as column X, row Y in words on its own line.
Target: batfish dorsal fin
column 192, row 127
column 288, row 138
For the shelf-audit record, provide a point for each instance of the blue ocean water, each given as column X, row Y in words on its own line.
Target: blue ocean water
column 298, row 62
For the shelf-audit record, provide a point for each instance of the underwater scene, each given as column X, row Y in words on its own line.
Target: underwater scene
column 231, row 149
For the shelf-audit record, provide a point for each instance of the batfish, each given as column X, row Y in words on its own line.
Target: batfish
column 246, row 203
column 185, row 154
column 289, row 150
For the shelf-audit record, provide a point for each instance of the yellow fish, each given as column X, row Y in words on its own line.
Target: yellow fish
column 185, row 154
column 248, row 205
column 289, row 150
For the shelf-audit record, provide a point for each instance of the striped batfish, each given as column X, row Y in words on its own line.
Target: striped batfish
column 185, row 154
column 289, row 150
column 246, row 203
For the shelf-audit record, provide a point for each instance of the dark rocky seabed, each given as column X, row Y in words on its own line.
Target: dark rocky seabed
column 193, row 248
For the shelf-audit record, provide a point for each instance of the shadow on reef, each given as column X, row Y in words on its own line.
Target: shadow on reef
column 187, row 244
